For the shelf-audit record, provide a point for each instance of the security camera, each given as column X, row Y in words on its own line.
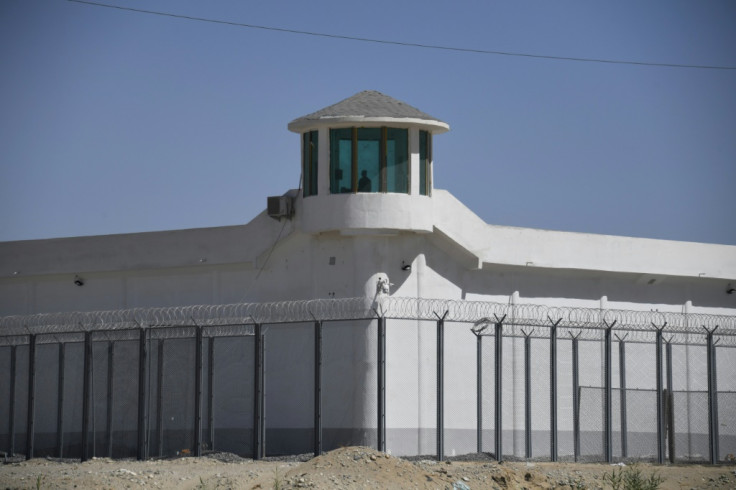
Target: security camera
column 730, row 290
column 78, row 281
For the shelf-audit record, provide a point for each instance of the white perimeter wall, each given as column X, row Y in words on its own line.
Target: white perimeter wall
column 444, row 264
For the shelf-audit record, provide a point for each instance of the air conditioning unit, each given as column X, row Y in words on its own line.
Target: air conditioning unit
column 280, row 207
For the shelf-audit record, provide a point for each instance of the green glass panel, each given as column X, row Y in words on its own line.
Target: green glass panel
column 341, row 160
column 423, row 162
column 305, row 164
column 369, row 145
column 314, row 158
column 309, row 163
column 397, row 160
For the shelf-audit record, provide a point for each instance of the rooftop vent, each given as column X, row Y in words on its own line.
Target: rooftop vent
column 280, row 207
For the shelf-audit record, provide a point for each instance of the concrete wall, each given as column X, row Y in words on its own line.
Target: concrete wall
column 553, row 249
column 453, row 256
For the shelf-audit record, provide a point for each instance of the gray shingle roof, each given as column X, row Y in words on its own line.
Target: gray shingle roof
column 368, row 103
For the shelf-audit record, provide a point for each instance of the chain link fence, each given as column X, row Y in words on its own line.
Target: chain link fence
column 726, row 408
column 410, row 377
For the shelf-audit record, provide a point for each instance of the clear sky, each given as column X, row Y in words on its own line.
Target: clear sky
column 114, row 121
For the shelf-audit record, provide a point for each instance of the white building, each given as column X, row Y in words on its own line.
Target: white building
column 369, row 211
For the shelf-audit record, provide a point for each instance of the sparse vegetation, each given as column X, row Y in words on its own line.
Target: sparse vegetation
column 576, row 483
column 632, row 478
column 276, row 480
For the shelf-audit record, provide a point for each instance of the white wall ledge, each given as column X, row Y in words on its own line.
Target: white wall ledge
column 507, row 245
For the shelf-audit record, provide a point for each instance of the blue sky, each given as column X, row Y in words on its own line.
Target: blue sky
column 114, row 121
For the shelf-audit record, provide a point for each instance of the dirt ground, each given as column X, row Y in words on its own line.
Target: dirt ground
column 345, row 468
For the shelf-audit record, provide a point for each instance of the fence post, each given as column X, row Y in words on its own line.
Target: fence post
column 479, row 391
column 660, row 397
column 211, row 391
column 110, row 393
column 712, row 396
column 381, row 436
column 31, row 395
column 258, row 423
column 60, row 402
column 575, row 397
column 499, row 390
column 670, row 413
column 608, row 396
column 553, row 389
column 11, row 418
column 317, row 388
column 160, row 399
column 622, row 396
column 86, row 390
column 198, row 369
column 441, row 386
column 527, row 394
column 142, row 394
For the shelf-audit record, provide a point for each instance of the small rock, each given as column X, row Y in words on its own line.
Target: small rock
column 459, row 485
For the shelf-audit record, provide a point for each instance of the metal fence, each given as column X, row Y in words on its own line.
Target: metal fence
column 420, row 377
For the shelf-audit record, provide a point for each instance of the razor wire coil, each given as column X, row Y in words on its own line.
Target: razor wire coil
column 517, row 319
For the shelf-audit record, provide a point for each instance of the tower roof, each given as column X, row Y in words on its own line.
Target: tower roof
column 368, row 106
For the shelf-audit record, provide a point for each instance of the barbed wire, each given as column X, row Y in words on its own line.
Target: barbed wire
column 517, row 319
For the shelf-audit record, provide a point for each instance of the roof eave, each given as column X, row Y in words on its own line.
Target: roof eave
column 303, row 125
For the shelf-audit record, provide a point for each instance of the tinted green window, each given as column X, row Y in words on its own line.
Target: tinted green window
column 341, row 156
column 369, row 161
column 397, row 160
column 424, row 159
column 310, row 152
